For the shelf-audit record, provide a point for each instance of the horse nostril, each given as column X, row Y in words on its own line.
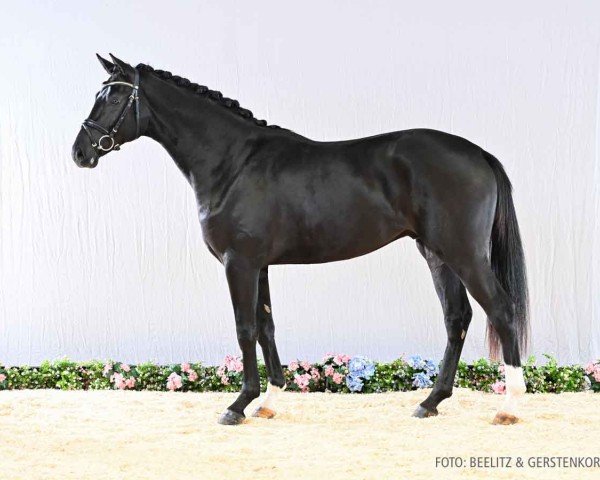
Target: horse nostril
column 79, row 157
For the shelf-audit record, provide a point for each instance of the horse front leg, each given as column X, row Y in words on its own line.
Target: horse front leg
column 266, row 339
column 242, row 278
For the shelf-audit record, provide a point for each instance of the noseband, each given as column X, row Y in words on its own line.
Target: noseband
column 106, row 142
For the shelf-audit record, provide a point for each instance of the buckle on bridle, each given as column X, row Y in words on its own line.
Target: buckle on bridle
column 103, row 148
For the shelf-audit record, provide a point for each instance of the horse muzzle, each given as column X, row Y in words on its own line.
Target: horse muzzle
column 82, row 159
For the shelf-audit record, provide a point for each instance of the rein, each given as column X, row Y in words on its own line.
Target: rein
column 108, row 135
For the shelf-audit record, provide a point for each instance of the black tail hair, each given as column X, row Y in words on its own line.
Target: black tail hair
column 508, row 260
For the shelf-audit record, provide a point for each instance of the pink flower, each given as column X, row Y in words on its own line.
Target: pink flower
column 125, row 367
column 174, row 382
column 328, row 356
column 305, row 365
column 341, row 359
column 337, row 378
column 192, row 376
column 221, row 370
column 302, row 381
column 329, row 371
column 593, row 369
column 499, row 387
column 224, row 380
column 2, row 377
column 314, row 373
column 590, row 368
column 107, row 368
column 118, row 380
column 293, row 366
column 233, row 364
column 130, row 382
column 501, row 369
column 185, row 367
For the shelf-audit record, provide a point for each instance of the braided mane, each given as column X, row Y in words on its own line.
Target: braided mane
column 206, row 92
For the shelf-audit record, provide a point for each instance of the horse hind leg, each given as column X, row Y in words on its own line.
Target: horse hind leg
column 457, row 317
column 482, row 284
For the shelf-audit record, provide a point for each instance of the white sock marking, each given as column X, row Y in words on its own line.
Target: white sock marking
column 270, row 396
column 515, row 388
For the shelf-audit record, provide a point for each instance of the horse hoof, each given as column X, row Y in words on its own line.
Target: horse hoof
column 503, row 418
column 263, row 412
column 422, row 412
column 230, row 417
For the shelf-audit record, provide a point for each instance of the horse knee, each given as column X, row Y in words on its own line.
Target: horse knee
column 246, row 335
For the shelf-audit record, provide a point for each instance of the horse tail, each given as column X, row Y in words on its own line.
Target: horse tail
column 508, row 260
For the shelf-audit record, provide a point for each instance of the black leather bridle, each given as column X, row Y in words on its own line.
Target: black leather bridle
column 108, row 135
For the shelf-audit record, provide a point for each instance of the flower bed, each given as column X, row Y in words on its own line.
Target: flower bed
column 335, row 373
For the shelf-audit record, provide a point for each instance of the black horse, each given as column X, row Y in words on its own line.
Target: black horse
column 269, row 196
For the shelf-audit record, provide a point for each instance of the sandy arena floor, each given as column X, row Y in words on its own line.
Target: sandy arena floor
column 147, row 435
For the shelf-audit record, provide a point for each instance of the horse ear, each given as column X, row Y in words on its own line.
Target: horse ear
column 121, row 65
column 108, row 66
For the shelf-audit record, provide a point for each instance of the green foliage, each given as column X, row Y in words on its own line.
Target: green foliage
column 151, row 376
column 397, row 375
column 480, row 375
column 568, row 378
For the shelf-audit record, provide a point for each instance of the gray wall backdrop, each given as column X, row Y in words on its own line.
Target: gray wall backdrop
column 110, row 262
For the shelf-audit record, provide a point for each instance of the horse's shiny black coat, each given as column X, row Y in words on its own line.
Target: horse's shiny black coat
column 269, row 196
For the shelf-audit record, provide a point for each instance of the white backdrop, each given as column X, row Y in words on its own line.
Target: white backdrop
column 110, row 262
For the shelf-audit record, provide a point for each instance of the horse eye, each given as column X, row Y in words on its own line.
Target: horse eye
column 114, row 101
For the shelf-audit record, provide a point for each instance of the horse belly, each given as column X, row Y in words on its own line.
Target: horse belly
column 338, row 229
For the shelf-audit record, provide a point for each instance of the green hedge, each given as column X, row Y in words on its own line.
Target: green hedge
column 333, row 374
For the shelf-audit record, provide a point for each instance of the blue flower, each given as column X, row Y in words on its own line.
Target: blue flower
column 430, row 367
column 369, row 370
column 354, row 383
column 422, row 380
column 361, row 367
column 416, row 361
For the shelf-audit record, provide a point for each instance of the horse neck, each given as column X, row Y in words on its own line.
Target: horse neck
column 208, row 142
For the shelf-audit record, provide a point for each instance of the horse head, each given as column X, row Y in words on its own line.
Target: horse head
column 115, row 116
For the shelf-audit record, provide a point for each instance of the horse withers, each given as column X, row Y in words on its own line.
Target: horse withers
column 268, row 196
